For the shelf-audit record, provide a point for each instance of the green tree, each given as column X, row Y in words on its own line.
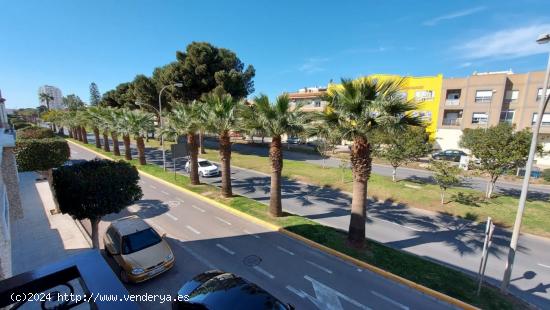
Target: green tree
column 277, row 119
column 73, row 103
column 356, row 109
column 95, row 116
column 140, row 123
column 41, row 154
column 126, row 130
column 45, row 98
column 222, row 117
column 446, row 175
column 146, row 93
column 410, row 145
column 93, row 189
column 95, row 95
column 326, row 139
column 499, row 149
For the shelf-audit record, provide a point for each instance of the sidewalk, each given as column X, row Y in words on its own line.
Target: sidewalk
column 39, row 237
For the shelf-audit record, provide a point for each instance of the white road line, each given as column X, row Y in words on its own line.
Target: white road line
column 152, row 186
column 197, row 208
column 264, row 272
column 543, row 265
column 327, row 297
column 180, row 200
column 222, row 220
column 319, row 266
column 74, row 152
column 285, row 250
column 225, row 249
column 295, row 291
column 251, row 233
column 193, row 230
column 165, row 193
column 198, row 257
column 394, row 223
column 171, row 216
column 386, row 298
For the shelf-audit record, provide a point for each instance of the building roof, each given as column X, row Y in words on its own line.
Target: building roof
column 308, row 95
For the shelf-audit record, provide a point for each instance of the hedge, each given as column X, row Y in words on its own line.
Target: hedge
column 18, row 125
column 41, row 154
column 546, row 175
column 35, row 133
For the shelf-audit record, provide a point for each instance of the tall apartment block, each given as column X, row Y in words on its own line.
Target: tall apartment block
column 487, row 99
column 3, row 114
column 57, row 102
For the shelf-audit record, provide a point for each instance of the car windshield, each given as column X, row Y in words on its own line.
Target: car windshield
column 139, row 241
column 204, row 163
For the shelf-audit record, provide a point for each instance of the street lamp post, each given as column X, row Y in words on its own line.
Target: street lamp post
column 161, row 123
column 545, row 38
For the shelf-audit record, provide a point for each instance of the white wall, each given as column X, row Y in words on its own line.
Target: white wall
column 447, row 139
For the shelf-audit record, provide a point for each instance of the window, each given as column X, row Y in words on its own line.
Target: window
column 539, row 93
column 507, row 116
column 512, row 95
column 479, row 118
column 484, row 95
column 139, row 241
column 423, row 95
column 545, row 119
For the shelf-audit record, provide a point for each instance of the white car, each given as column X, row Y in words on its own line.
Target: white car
column 206, row 168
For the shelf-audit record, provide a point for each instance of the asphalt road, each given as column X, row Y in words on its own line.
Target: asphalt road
column 205, row 237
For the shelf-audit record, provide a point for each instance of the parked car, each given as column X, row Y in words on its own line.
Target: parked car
column 293, row 140
column 216, row 289
column 206, row 168
column 450, row 155
column 137, row 249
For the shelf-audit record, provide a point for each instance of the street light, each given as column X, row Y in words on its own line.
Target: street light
column 161, row 123
column 545, row 38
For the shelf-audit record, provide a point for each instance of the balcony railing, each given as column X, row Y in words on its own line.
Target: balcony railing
column 452, row 102
column 451, row 121
column 483, row 99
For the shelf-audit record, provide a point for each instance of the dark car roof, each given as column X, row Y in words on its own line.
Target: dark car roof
column 229, row 291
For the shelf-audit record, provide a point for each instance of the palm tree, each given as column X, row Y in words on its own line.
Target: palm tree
column 186, row 119
column 140, row 123
column 357, row 109
column 94, row 114
column 276, row 119
column 45, row 97
column 125, row 129
column 82, row 120
column 111, row 119
column 222, row 118
column 104, row 126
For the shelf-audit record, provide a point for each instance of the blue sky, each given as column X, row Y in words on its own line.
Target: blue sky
column 291, row 44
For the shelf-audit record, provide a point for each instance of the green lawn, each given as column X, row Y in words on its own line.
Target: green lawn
column 412, row 267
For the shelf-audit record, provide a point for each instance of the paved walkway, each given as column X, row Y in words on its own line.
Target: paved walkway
column 39, row 237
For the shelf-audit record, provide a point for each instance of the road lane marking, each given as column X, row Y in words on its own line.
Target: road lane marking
column 543, row 265
column 251, row 234
column 193, row 230
column 329, row 298
column 319, row 266
column 165, row 193
column 296, row 291
column 152, row 186
column 171, row 216
column 394, row 223
column 225, row 249
column 222, row 220
column 391, row 301
column 264, row 272
column 285, row 250
column 198, row 257
column 180, row 200
column 197, row 208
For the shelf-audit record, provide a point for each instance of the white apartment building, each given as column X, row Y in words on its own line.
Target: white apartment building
column 3, row 114
column 57, row 102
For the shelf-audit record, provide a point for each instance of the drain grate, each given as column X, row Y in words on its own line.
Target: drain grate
column 252, row 260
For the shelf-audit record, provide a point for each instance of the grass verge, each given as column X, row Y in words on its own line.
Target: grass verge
column 437, row 277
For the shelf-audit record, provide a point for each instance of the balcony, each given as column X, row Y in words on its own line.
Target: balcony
column 452, row 121
column 452, row 102
column 483, row 99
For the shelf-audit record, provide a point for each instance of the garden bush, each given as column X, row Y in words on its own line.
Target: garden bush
column 35, row 133
column 21, row 125
column 41, row 154
column 546, row 175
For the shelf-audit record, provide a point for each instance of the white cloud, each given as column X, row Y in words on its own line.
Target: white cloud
column 435, row 21
column 509, row 43
column 465, row 64
column 312, row 65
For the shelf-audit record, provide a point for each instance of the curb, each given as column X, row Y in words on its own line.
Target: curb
column 84, row 232
column 359, row 263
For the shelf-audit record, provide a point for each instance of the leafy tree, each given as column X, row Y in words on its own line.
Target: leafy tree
column 93, row 189
column 121, row 96
column 41, row 154
column 356, row 109
column 35, row 133
column 499, row 149
column 410, row 145
column 140, row 123
column 326, row 138
column 146, row 93
column 277, row 119
column 222, row 118
column 446, row 175
column 73, row 103
column 95, row 95
column 546, row 175
column 54, row 117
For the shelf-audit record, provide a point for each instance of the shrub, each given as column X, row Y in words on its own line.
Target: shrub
column 19, row 125
column 546, row 175
column 35, row 133
column 41, row 154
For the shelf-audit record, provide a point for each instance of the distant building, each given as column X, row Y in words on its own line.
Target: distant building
column 57, row 102
column 3, row 112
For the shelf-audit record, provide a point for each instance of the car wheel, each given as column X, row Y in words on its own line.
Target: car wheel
column 123, row 276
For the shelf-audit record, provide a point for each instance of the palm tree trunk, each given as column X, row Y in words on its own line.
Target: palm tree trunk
column 225, row 156
column 70, row 133
column 61, row 131
column 276, row 156
column 97, row 139
column 127, row 149
column 361, row 166
column 54, row 129
column 95, row 232
column 84, row 134
column 116, row 149
column 201, row 142
column 106, row 147
column 77, row 133
column 141, row 150
column 193, row 159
